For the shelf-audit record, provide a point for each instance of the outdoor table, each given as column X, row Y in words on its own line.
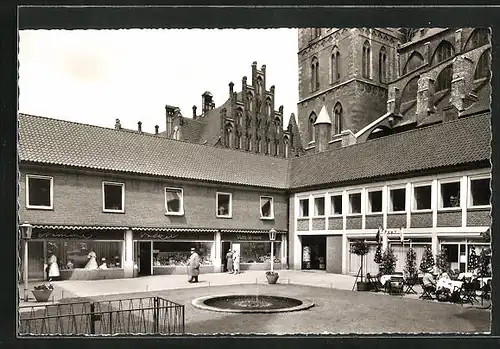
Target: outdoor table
column 385, row 278
column 465, row 275
column 448, row 284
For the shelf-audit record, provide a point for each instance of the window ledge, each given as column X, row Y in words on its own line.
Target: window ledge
column 45, row 208
column 322, row 216
column 396, row 212
column 174, row 213
column 335, row 216
column 267, row 218
column 374, row 214
column 427, row 210
column 303, row 218
column 449, row 209
column 113, row 211
column 225, row 217
column 349, row 215
column 479, row 208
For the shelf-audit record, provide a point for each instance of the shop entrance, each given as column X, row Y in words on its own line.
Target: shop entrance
column 144, row 258
column 36, row 260
column 226, row 245
column 314, row 252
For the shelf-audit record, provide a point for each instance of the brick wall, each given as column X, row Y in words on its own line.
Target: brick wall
column 373, row 222
column 478, row 217
column 334, row 254
column 449, row 219
column 353, row 222
column 303, row 224
column 421, row 220
column 78, row 200
column 336, row 223
column 395, row 221
column 318, row 224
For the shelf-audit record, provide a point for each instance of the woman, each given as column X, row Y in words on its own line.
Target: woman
column 229, row 261
column 193, row 266
column 92, row 263
column 53, row 267
column 236, row 261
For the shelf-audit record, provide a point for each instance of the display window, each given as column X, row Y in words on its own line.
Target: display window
column 174, row 254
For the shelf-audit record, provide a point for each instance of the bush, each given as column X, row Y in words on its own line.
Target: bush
column 388, row 264
column 44, row 287
column 272, row 273
column 411, row 264
column 427, row 261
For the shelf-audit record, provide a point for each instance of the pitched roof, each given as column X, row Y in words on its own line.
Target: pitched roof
column 462, row 141
column 51, row 141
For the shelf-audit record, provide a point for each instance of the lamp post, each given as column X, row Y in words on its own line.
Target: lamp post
column 26, row 230
column 272, row 237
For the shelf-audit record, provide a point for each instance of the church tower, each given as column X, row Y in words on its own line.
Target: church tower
column 347, row 72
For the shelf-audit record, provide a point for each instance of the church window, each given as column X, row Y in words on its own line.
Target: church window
column 483, row 68
column 382, row 65
column 443, row 81
column 416, row 60
column 310, row 131
column 479, row 37
column 365, row 61
column 335, row 65
column 314, row 74
column 444, row 51
column 337, row 119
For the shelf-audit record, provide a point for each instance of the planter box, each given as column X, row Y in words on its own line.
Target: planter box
column 92, row 274
column 362, row 286
column 41, row 295
column 180, row 270
column 259, row 266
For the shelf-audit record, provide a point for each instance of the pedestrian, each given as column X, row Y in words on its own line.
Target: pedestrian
column 229, row 261
column 193, row 266
column 236, row 261
column 53, row 267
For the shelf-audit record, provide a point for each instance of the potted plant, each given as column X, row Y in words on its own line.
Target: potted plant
column 272, row 276
column 42, row 292
column 388, row 263
column 361, row 248
column 411, row 267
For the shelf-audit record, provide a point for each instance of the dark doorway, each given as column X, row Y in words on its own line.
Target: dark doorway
column 314, row 252
column 144, row 258
column 226, row 245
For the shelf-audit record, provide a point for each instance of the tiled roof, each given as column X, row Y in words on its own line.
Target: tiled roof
column 51, row 141
column 191, row 130
column 453, row 143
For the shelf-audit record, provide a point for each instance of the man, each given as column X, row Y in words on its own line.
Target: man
column 193, row 266
column 429, row 281
column 229, row 261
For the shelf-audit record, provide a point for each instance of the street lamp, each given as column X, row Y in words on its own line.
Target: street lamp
column 272, row 237
column 26, row 230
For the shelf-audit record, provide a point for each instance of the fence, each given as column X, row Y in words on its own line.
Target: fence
column 148, row 315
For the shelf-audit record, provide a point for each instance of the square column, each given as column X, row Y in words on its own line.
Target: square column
column 128, row 254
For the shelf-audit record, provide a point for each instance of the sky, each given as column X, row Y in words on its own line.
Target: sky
column 97, row 76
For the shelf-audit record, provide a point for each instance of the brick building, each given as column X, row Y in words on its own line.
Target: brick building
column 392, row 135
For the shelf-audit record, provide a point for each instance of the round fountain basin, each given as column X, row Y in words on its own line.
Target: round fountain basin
column 232, row 303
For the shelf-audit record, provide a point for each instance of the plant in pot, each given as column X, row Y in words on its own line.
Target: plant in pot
column 272, row 276
column 360, row 248
column 388, row 264
column 42, row 292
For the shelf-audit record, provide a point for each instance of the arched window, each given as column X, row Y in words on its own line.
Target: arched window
column 259, row 85
column 479, row 37
column 365, row 62
column 483, row 67
column 229, row 136
column 259, row 145
column 443, row 81
column 335, row 65
column 314, row 74
column 310, row 129
column 239, row 117
column 277, row 124
column 382, row 65
column 416, row 60
column 268, row 147
column 337, row 119
column 444, row 51
column 237, row 144
column 286, row 142
column 276, row 148
column 268, row 107
column 250, row 102
column 249, row 143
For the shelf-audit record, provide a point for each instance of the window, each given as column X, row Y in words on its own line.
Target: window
column 450, row 195
column 382, row 65
column 310, row 131
column 266, row 207
column 444, row 51
column 365, row 62
column 397, row 202
column 73, row 254
column 249, row 143
column 113, row 198
column 259, row 85
column 480, row 192
column 483, row 68
column 335, row 65
column 336, row 204
column 237, row 143
column 479, row 37
column 415, row 61
column 277, row 148
column 422, row 197
column 229, row 135
column 319, row 206
column 174, row 201
column 224, row 205
column 176, row 253
column 287, row 147
column 250, row 102
column 277, row 124
column 410, row 91
column 355, row 203
column 314, row 74
column 259, row 252
column 39, row 192
column 443, row 81
column 239, row 117
column 268, row 107
column 375, row 201
column 337, row 119
column 304, row 208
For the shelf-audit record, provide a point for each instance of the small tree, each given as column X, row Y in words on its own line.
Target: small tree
column 472, row 262
column 378, row 254
column 485, row 262
column 411, row 264
column 427, row 261
column 442, row 262
column 360, row 248
column 388, row 265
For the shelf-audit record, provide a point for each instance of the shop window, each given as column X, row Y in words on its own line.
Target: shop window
column 375, row 201
column 422, row 198
column 450, row 195
column 259, row 252
column 224, row 205
column 355, row 203
column 266, row 207
column 319, row 206
column 304, row 207
column 39, row 192
column 397, row 202
column 174, row 201
column 336, row 203
column 73, row 254
column 173, row 254
column 480, row 192
column 113, row 197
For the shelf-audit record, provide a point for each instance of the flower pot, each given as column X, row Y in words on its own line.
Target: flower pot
column 41, row 295
column 272, row 278
column 363, row 286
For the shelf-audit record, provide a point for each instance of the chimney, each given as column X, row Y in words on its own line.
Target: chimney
column 139, row 127
column 322, row 128
column 118, row 125
column 244, row 83
column 156, row 129
column 394, row 101
column 206, row 102
column 194, row 112
column 425, row 98
column 231, row 88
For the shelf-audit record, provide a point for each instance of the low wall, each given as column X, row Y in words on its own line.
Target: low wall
column 92, row 274
column 259, row 266
column 181, row 270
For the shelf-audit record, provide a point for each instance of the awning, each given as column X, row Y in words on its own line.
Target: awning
column 250, row 231
column 78, row 227
column 177, row 230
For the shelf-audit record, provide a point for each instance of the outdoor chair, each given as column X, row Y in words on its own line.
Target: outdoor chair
column 396, row 284
column 374, row 282
column 486, row 293
column 468, row 291
column 427, row 292
column 409, row 283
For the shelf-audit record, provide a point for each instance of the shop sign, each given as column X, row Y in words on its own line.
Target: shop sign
column 165, row 236
column 78, row 235
column 50, row 235
column 246, row 237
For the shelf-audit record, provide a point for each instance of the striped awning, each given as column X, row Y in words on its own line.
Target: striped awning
column 77, row 227
column 250, row 231
column 177, row 230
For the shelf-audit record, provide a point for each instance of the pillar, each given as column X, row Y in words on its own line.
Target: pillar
column 284, row 261
column 218, row 252
column 128, row 255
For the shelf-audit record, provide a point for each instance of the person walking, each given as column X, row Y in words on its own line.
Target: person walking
column 236, row 261
column 229, row 261
column 193, row 266
column 53, row 267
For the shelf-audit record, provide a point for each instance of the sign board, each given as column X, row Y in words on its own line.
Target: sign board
column 166, row 236
column 77, row 234
column 245, row 237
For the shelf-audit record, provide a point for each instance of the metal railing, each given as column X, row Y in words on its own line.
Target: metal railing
column 147, row 315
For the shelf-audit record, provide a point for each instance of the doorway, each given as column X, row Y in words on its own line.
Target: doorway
column 314, row 252
column 36, row 260
column 226, row 245
column 144, row 258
